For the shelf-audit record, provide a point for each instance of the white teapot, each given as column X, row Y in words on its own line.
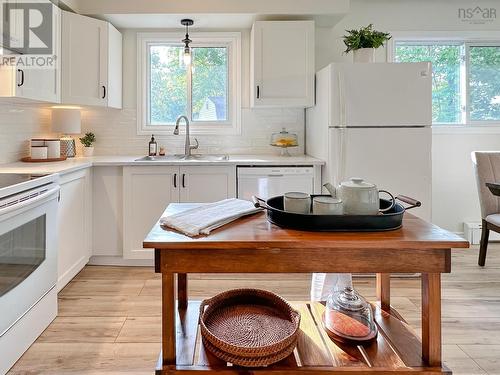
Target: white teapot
column 359, row 197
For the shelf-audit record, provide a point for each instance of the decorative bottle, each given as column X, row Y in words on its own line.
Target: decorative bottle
column 153, row 146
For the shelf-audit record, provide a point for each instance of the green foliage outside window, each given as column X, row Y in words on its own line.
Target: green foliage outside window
column 484, row 83
column 445, row 61
column 169, row 84
column 448, row 79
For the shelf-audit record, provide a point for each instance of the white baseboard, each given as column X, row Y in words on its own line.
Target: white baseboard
column 65, row 278
column 472, row 233
column 100, row 260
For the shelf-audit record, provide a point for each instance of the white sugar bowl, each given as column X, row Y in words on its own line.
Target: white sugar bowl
column 361, row 198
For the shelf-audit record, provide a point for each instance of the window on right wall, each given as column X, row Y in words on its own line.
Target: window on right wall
column 465, row 79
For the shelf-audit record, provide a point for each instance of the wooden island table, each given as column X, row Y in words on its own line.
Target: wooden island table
column 253, row 245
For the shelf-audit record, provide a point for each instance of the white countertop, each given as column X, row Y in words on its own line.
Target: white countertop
column 74, row 164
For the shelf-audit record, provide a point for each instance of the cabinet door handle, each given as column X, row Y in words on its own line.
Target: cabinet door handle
column 258, row 91
column 183, row 180
column 175, row 180
column 103, row 91
column 22, row 77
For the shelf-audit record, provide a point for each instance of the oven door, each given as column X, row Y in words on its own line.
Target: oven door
column 28, row 255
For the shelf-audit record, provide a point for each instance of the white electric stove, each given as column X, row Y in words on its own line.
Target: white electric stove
column 28, row 261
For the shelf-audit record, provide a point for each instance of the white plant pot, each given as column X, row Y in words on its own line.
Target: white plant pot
column 364, row 55
column 88, row 151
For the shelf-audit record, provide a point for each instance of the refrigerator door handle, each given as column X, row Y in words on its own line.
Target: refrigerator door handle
column 342, row 105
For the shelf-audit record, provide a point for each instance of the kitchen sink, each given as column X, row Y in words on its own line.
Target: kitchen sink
column 179, row 157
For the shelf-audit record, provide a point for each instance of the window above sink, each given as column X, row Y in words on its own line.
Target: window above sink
column 208, row 91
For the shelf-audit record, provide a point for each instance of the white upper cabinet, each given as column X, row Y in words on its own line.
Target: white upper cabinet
column 91, row 62
column 282, row 64
column 38, row 84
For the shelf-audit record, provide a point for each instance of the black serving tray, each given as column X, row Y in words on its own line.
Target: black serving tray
column 389, row 220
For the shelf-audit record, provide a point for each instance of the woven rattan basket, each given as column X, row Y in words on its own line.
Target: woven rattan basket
column 249, row 327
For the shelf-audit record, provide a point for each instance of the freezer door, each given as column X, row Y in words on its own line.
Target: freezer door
column 381, row 94
column 397, row 160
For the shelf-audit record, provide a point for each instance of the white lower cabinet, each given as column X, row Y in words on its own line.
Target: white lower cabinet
column 74, row 225
column 107, row 206
column 207, row 184
column 147, row 191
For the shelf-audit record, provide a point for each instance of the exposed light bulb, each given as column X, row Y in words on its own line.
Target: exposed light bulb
column 187, row 57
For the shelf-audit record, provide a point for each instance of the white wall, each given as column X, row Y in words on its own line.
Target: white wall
column 454, row 193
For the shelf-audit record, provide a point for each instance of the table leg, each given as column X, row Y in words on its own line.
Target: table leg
column 384, row 290
column 182, row 296
column 431, row 318
column 168, row 318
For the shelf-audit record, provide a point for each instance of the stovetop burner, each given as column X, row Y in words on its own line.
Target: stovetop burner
column 10, row 179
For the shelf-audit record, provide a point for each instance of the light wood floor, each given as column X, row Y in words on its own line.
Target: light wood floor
column 109, row 317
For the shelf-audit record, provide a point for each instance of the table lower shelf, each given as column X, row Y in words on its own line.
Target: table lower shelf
column 397, row 350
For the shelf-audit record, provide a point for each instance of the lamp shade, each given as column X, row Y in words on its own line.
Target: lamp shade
column 66, row 120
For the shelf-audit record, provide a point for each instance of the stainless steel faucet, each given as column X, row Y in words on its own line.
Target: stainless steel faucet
column 187, row 145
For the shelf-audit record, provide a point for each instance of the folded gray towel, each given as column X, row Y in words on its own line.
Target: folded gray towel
column 207, row 217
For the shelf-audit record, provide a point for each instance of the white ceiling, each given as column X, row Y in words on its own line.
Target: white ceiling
column 209, row 14
column 173, row 21
column 206, row 21
column 209, row 6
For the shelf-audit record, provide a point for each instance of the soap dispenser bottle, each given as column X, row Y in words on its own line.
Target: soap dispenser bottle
column 153, row 146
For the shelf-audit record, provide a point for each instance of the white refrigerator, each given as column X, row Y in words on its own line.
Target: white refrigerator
column 373, row 120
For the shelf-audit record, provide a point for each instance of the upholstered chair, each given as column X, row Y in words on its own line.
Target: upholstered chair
column 487, row 169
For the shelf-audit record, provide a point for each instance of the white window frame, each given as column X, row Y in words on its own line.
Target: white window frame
column 471, row 38
column 230, row 40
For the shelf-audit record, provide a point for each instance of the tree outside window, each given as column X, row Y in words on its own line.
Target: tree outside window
column 465, row 79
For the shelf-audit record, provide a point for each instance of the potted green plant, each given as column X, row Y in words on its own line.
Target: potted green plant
column 363, row 42
column 87, row 141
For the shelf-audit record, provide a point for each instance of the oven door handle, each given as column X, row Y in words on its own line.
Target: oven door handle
column 44, row 196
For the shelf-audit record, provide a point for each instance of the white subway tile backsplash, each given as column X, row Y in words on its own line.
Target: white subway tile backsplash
column 116, row 132
column 117, row 135
column 18, row 124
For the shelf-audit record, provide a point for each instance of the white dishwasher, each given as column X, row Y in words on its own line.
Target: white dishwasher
column 266, row 182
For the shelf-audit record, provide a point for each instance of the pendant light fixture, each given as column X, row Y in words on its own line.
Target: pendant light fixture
column 187, row 50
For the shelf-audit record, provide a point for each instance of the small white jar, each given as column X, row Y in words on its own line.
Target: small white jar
column 39, row 152
column 327, row 206
column 54, row 148
column 298, row 203
column 88, row 151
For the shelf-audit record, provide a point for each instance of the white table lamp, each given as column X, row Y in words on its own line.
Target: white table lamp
column 67, row 120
